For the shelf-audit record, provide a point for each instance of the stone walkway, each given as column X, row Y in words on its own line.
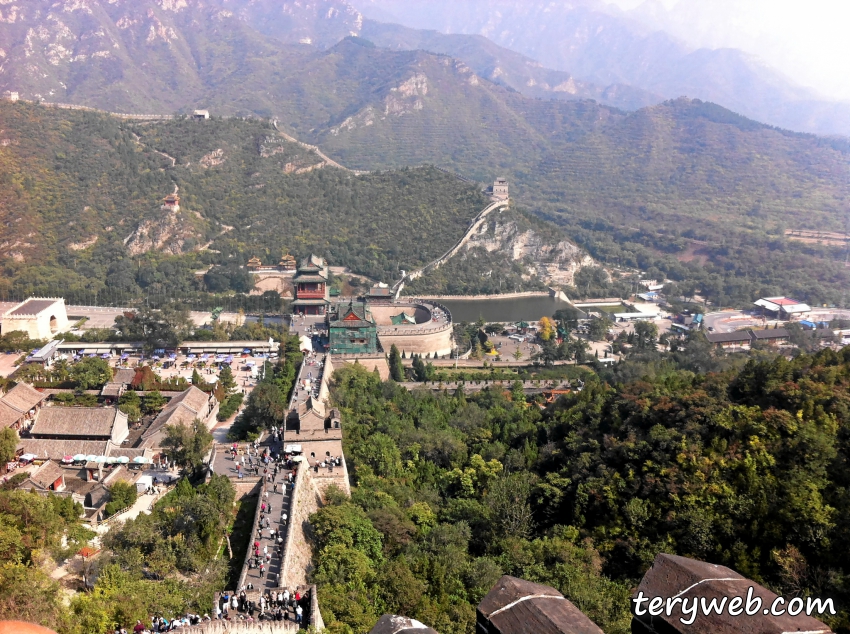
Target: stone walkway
column 280, row 503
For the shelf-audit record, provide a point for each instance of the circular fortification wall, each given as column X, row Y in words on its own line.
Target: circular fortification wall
column 431, row 335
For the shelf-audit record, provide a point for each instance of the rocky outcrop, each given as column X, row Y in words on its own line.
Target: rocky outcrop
column 172, row 233
column 554, row 262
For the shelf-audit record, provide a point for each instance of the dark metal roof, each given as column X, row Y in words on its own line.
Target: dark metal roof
column 776, row 333
column 517, row 606
column 728, row 337
column 689, row 579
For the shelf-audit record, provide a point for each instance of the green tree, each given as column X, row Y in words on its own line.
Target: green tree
column 419, row 371
column 165, row 327
column 91, row 372
column 122, row 494
column 646, row 333
column 578, row 350
column 598, row 328
column 548, row 352
column 198, row 380
column 567, row 317
column 226, row 380
column 130, row 403
column 396, row 369
column 188, row 445
column 153, row 401
column 8, row 444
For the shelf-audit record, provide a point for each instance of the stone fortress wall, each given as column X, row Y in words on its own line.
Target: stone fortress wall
column 427, row 337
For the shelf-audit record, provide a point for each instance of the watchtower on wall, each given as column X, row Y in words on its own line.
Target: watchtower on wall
column 171, row 203
column 500, row 189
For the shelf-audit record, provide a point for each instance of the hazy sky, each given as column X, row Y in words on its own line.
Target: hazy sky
column 808, row 40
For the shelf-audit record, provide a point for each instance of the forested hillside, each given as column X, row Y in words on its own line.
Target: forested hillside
column 80, row 197
column 746, row 468
column 685, row 189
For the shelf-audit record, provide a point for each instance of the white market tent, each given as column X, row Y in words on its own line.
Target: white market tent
column 783, row 305
column 306, row 343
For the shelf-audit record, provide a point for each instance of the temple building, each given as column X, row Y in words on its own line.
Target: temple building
column 171, row 203
column 287, row 263
column 379, row 292
column 311, row 287
column 352, row 329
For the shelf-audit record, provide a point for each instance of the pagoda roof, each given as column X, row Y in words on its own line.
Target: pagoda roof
column 380, row 291
column 353, row 316
column 308, row 277
column 310, row 302
column 402, row 318
column 353, row 324
column 312, row 262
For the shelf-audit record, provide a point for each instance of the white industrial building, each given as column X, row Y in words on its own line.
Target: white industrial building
column 783, row 306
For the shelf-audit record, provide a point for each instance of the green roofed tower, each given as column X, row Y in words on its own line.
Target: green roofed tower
column 352, row 329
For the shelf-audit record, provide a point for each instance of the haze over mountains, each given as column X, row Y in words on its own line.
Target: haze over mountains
column 167, row 55
column 599, row 43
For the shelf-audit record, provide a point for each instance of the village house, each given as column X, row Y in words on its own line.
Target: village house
column 740, row 339
column 119, row 384
column 379, row 293
column 183, row 408
column 19, row 406
column 782, row 307
column 48, row 477
column 81, row 423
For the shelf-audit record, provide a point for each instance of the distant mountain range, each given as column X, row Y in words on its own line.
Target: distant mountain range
column 168, row 55
column 600, row 44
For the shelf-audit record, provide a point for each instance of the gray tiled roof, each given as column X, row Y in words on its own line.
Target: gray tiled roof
column 75, row 421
